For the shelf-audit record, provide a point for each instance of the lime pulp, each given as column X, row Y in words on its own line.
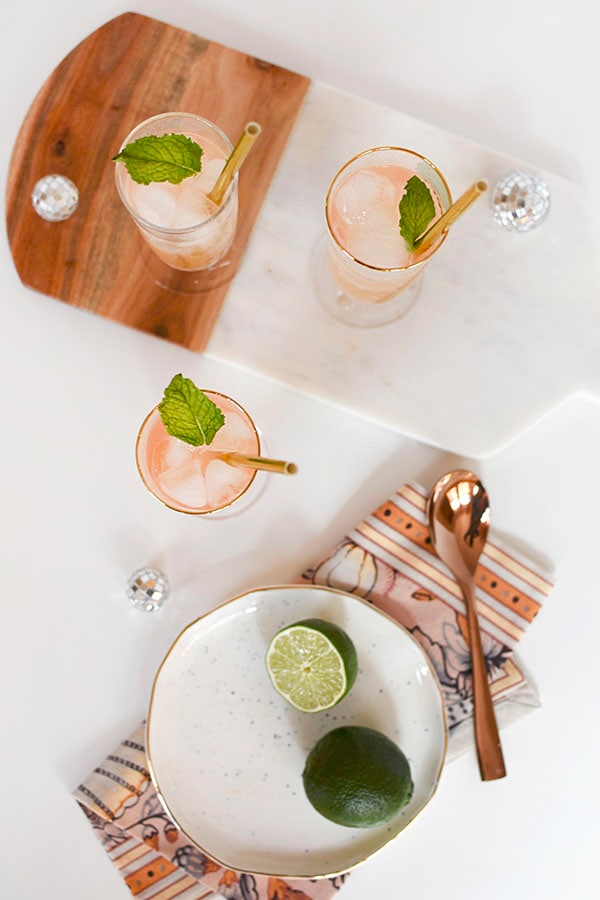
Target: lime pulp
column 312, row 664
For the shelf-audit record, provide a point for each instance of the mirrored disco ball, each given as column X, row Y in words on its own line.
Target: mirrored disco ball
column 55, row 198
column 148, row 589
column 520, row 201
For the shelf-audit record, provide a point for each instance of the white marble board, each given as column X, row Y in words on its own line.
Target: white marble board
column 506, row 326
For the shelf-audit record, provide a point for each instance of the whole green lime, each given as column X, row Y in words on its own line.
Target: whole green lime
column 358, row 777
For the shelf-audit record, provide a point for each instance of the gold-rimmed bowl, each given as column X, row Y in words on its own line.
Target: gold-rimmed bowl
column 226, row 752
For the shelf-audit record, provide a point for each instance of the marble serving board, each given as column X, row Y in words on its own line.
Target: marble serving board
column 506, row 326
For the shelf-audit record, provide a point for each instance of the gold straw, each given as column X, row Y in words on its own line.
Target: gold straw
column 450, row 216
column 280, row 466
column 237, row 157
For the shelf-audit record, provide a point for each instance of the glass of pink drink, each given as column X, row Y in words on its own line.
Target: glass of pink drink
column 366, row 275
column 181, row 224
column 197, row 480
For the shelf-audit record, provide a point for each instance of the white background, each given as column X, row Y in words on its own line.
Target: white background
column 76, row 661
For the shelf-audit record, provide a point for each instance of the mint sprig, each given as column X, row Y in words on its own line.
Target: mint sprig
column 168, row 157
column 188, row 414
column 417, row 209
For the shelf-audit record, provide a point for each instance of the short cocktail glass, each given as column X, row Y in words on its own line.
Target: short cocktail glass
column 185, row 229
column 197, row 480
column 365, row 274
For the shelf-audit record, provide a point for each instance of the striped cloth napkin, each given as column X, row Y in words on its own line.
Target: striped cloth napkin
column 154, row 859
column 388, row 560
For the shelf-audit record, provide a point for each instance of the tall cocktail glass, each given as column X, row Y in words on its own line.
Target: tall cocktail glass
column 197, row 480
column 185, row 229
column 365, row 274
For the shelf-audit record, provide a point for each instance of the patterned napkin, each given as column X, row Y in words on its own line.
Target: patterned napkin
column 154, row 859
column 387, row 559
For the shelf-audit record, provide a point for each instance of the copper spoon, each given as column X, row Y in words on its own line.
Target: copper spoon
column 458, row 511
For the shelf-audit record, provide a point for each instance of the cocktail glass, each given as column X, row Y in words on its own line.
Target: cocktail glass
column 197, row 480
column 185, row 229
column 365, row 275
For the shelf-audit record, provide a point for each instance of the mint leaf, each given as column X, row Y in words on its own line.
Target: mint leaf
column 188, row 414
column 170, row 157
column 417, row 209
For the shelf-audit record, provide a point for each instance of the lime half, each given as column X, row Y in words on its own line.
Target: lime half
column 357, row 777
column 312, row 664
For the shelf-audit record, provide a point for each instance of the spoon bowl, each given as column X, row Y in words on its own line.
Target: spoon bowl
column 458, row 512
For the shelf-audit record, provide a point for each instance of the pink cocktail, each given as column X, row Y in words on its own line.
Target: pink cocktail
column 370, row 270
column 198, row 480
column 183, row 226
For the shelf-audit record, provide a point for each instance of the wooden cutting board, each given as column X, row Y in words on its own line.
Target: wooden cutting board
column 131, row 68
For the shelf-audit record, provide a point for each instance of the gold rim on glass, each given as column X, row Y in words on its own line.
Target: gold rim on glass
column 297, row 587
column 199, row 512
column 346, row 252
column 161, row 229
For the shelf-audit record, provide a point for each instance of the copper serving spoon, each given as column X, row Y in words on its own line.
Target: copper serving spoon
column 458, row 511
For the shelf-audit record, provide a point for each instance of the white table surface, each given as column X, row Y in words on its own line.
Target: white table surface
column 76, row 662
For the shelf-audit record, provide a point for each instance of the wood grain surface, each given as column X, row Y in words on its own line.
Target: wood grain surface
column 131, row 68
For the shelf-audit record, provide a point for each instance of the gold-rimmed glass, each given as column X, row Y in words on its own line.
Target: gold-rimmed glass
column 205, row 239
column 354, row 290
column 177, row 473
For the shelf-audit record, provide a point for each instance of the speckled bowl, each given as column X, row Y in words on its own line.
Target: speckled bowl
column 226, row 752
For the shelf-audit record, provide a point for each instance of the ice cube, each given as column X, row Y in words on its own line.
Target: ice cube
column 156, row 202
column 185, row 483
column 360, row 192
column 193, row 206
column 368, row 204
column 211, row 170
column 379, row 244
column 176, row 454
column 223, row 482
column 235, row 435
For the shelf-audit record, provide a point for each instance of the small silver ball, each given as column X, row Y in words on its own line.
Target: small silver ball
column 520, row 201
column 148, row 589
column 55, row 198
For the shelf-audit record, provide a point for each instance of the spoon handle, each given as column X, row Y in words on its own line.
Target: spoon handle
column 487, row 739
